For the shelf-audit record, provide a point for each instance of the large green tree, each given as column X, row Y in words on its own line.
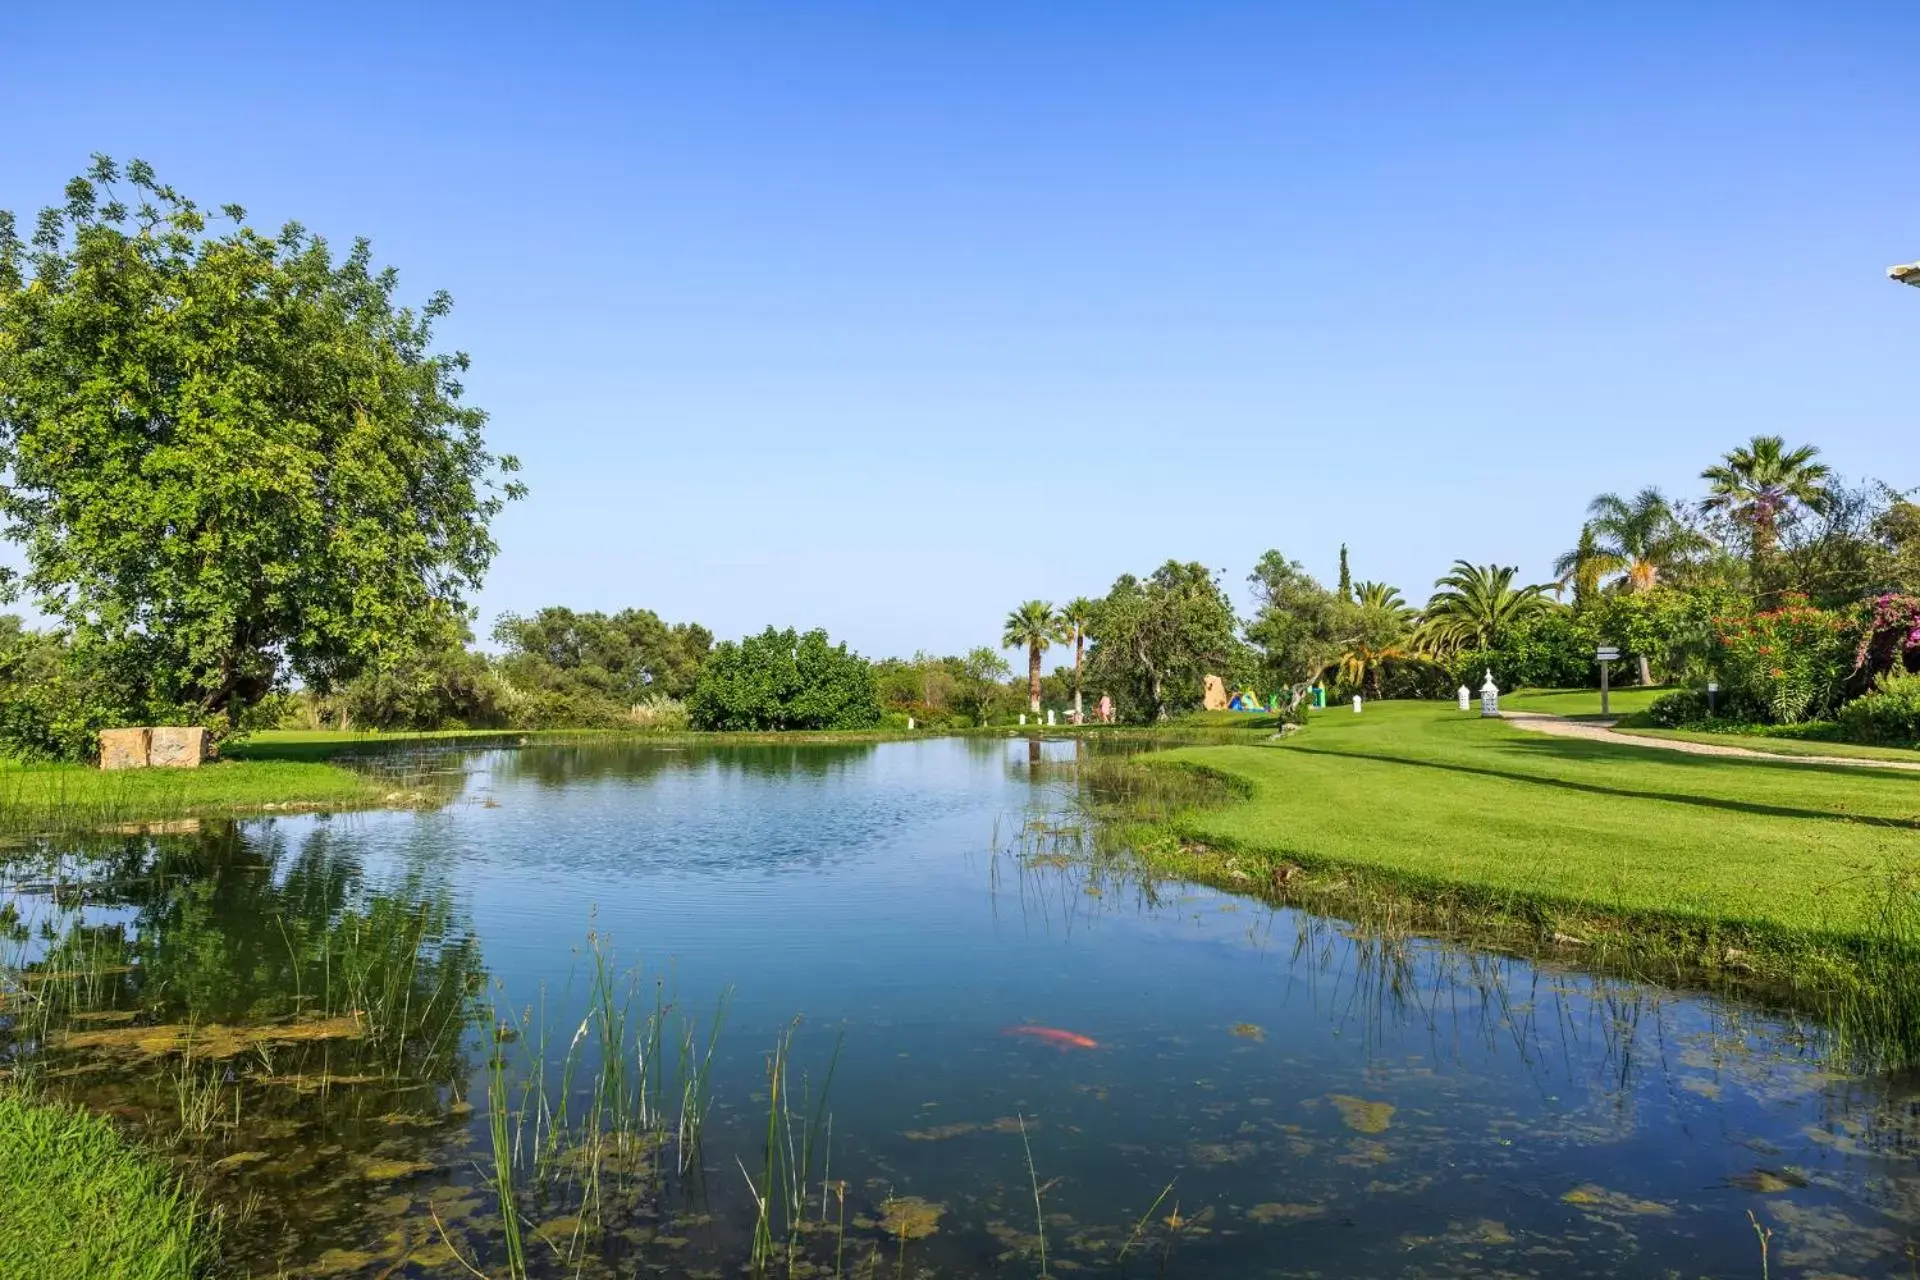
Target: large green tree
column 587, row 668
column 980, row 683
column 784, row 680
column 230, row 456
column 1297, row 624
column 1763, row 483
column 1155, row 640
column 1030, row 627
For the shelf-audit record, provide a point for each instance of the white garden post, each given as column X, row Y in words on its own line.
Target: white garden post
column 1049, row 719
column 1023, row 719
column 1466, row 698
column 1489, row 697
column 1356, row 704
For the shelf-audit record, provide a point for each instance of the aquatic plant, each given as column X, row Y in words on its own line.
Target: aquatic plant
column 795, row 1136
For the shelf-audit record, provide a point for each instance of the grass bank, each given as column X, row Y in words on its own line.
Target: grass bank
column 38, row 797
column 1795, row 874
column 82, row 1204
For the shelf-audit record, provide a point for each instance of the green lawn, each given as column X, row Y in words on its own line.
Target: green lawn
column 1581, row 704
column 40, row 796
column 80, row 1204
column 1425, row 795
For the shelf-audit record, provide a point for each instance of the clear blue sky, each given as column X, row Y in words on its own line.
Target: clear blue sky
column 885, row 317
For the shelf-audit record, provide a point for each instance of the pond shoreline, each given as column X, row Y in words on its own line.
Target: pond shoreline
column 1864, row 985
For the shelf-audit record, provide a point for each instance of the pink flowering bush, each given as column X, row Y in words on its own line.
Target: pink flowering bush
column 1890, row 637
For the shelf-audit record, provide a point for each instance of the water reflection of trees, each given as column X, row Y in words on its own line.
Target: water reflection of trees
column 239, row 924
column 251, row 998
column 559, row 766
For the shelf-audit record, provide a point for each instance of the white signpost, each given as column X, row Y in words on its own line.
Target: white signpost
column 1606, row 654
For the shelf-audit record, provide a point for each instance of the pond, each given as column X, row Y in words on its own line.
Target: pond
column 876, row 1016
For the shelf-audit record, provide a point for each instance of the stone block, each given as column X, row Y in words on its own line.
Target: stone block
column 123, row 748
column 1215, row 697
column 177, row 748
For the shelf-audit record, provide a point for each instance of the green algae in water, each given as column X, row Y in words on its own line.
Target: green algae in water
column 1363, row 1115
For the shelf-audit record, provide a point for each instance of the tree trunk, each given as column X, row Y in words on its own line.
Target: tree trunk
column 1646, row 669
column 1033, row 678
column 1079, row 644
column 1159, row 705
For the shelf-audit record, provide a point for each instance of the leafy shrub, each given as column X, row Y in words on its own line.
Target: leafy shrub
column 1678, row 709
column 1551, row 650
column 1889, row 716
column 1790, row 662
column 442, row 686
column 783, row 680
column 659, row 713
column 53, row 703
column 1416, row 677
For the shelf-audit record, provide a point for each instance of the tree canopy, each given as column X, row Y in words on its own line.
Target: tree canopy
column 589, row 669
column 1155, row 640
column 1762, row 484
column 230, row 457
column 1032, row 627
column 1297, row 623
column 1475, row 606
column 784, row 680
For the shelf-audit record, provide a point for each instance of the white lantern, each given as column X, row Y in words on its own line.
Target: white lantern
column 1466, row 698
column 1049, row 719
column 1356, row 704
column 1023, row 719
column 1489, row 697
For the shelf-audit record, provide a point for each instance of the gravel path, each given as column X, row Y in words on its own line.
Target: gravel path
column 1602, row 731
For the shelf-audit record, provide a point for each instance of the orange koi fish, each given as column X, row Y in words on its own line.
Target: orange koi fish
column 1055, row 1036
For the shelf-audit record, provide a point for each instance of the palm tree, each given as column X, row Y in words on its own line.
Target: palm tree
column 1763, row 480
column 1071, row 622
column 1375, row 634
column 1030, row 625
column 1640, row 538
column 1584, row 566
column 1475, row 605
column 1378, row 595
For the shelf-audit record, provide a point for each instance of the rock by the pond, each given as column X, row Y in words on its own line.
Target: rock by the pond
column 176, row 747
column 164, row 747
column 123, row 748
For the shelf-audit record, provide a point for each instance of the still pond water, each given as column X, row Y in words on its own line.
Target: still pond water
column 1243, row 1092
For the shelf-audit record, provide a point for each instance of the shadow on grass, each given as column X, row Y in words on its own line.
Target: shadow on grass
column 1606, row 752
